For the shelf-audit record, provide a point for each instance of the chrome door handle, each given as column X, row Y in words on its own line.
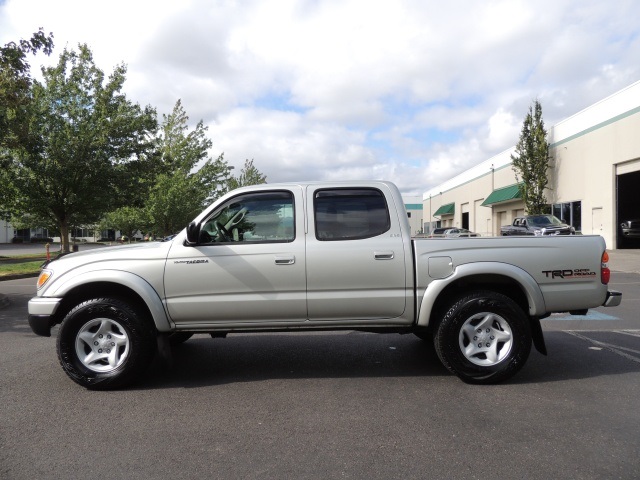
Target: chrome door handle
column 383, row 255
column 282, row 260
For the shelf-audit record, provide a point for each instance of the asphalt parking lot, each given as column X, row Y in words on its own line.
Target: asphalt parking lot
column 331, row 405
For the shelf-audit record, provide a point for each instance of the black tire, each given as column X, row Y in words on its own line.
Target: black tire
column 105, row 343
column 176, row 338
column 500, row 328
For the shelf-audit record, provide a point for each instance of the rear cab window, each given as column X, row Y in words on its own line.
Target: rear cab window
column 350, row 214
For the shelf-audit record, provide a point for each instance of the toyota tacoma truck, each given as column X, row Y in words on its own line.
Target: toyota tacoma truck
column 311, row 257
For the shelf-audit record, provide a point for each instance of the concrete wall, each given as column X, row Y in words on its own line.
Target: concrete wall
column 474, row 187
column 587, row 150
column 413, row 206
column 585, row 169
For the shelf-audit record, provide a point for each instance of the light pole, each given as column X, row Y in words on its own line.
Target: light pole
column 492, row 188
column 430, row 214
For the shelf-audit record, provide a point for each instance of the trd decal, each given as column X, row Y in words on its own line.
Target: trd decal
column 577, row 272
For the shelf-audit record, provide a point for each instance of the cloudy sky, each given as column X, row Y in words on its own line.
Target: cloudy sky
column 413, row 91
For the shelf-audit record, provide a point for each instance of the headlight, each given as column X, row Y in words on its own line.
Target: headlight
column 539, row 233
column 45, row 275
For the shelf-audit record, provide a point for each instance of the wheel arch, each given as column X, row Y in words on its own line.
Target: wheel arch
column 124, row 285
column 507, row 279
column 502, row 277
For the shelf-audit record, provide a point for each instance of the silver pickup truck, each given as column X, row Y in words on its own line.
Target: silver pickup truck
column 315, row 256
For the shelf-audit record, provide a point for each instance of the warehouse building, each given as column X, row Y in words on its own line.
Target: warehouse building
column 594, row 177
column 413, row 206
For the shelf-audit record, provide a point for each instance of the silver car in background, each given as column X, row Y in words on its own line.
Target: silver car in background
column 459, row 232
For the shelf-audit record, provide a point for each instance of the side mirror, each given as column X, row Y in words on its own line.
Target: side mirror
column 193, row 233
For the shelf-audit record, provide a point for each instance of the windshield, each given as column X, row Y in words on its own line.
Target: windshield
column 544, row 221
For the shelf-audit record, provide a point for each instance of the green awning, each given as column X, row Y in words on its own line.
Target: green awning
column 447, row 209
column 413, row 206
column 503, row 194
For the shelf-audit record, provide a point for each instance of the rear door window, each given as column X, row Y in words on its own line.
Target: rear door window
column 350, row 214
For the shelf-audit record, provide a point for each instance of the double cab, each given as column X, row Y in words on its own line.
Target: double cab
column 311, row 257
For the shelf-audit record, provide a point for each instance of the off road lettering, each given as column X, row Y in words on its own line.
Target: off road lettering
column 577, row 272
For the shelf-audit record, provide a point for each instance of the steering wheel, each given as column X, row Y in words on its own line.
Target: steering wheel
column 223, row 232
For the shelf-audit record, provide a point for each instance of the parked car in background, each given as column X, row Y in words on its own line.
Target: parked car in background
column 537, row 225
column 459, row 232
column 630, row 228
column 438, row 232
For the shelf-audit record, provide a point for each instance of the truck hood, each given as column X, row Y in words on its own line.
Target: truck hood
column 147, row 250
column 563, row 226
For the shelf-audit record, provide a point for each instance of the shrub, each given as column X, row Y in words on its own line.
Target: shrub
column 41, row 240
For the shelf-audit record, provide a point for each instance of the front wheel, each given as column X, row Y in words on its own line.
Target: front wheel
column 484, row 338
column 105, row 343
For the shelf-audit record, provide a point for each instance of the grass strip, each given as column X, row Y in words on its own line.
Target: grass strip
column 23, row 268
column 26, row 256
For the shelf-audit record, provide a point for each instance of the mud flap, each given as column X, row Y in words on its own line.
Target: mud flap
column 164, row 350
column 538, row 337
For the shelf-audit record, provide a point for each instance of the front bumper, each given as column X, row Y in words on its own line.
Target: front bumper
column 41, row 314
column 613, row 299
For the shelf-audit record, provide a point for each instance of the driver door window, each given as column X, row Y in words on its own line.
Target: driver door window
column 254, row 218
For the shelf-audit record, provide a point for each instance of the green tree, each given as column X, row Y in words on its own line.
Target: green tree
column 531, row 161
column 189, row 178
column 173, row 202
column 84, row 144
column 249, row 175
column 128, row 220
column 15, row 85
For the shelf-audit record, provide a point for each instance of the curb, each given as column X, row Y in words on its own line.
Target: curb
column 18, row 276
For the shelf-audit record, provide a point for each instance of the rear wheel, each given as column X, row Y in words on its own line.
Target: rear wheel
column 484, row 338
column 105, row 343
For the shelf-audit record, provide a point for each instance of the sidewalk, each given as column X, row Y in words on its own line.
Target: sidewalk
column 627, row 261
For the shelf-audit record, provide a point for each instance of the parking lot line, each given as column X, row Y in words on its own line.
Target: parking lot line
column 617, row 349
column 591, row 315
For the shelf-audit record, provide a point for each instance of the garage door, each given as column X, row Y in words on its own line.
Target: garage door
column 627, row 200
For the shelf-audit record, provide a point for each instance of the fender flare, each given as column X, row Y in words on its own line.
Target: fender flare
column 134, row 282
column 521, row 277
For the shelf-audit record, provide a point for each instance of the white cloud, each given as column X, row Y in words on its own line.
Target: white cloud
column 412, row 91
column 504, row 129
column 289, row 146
